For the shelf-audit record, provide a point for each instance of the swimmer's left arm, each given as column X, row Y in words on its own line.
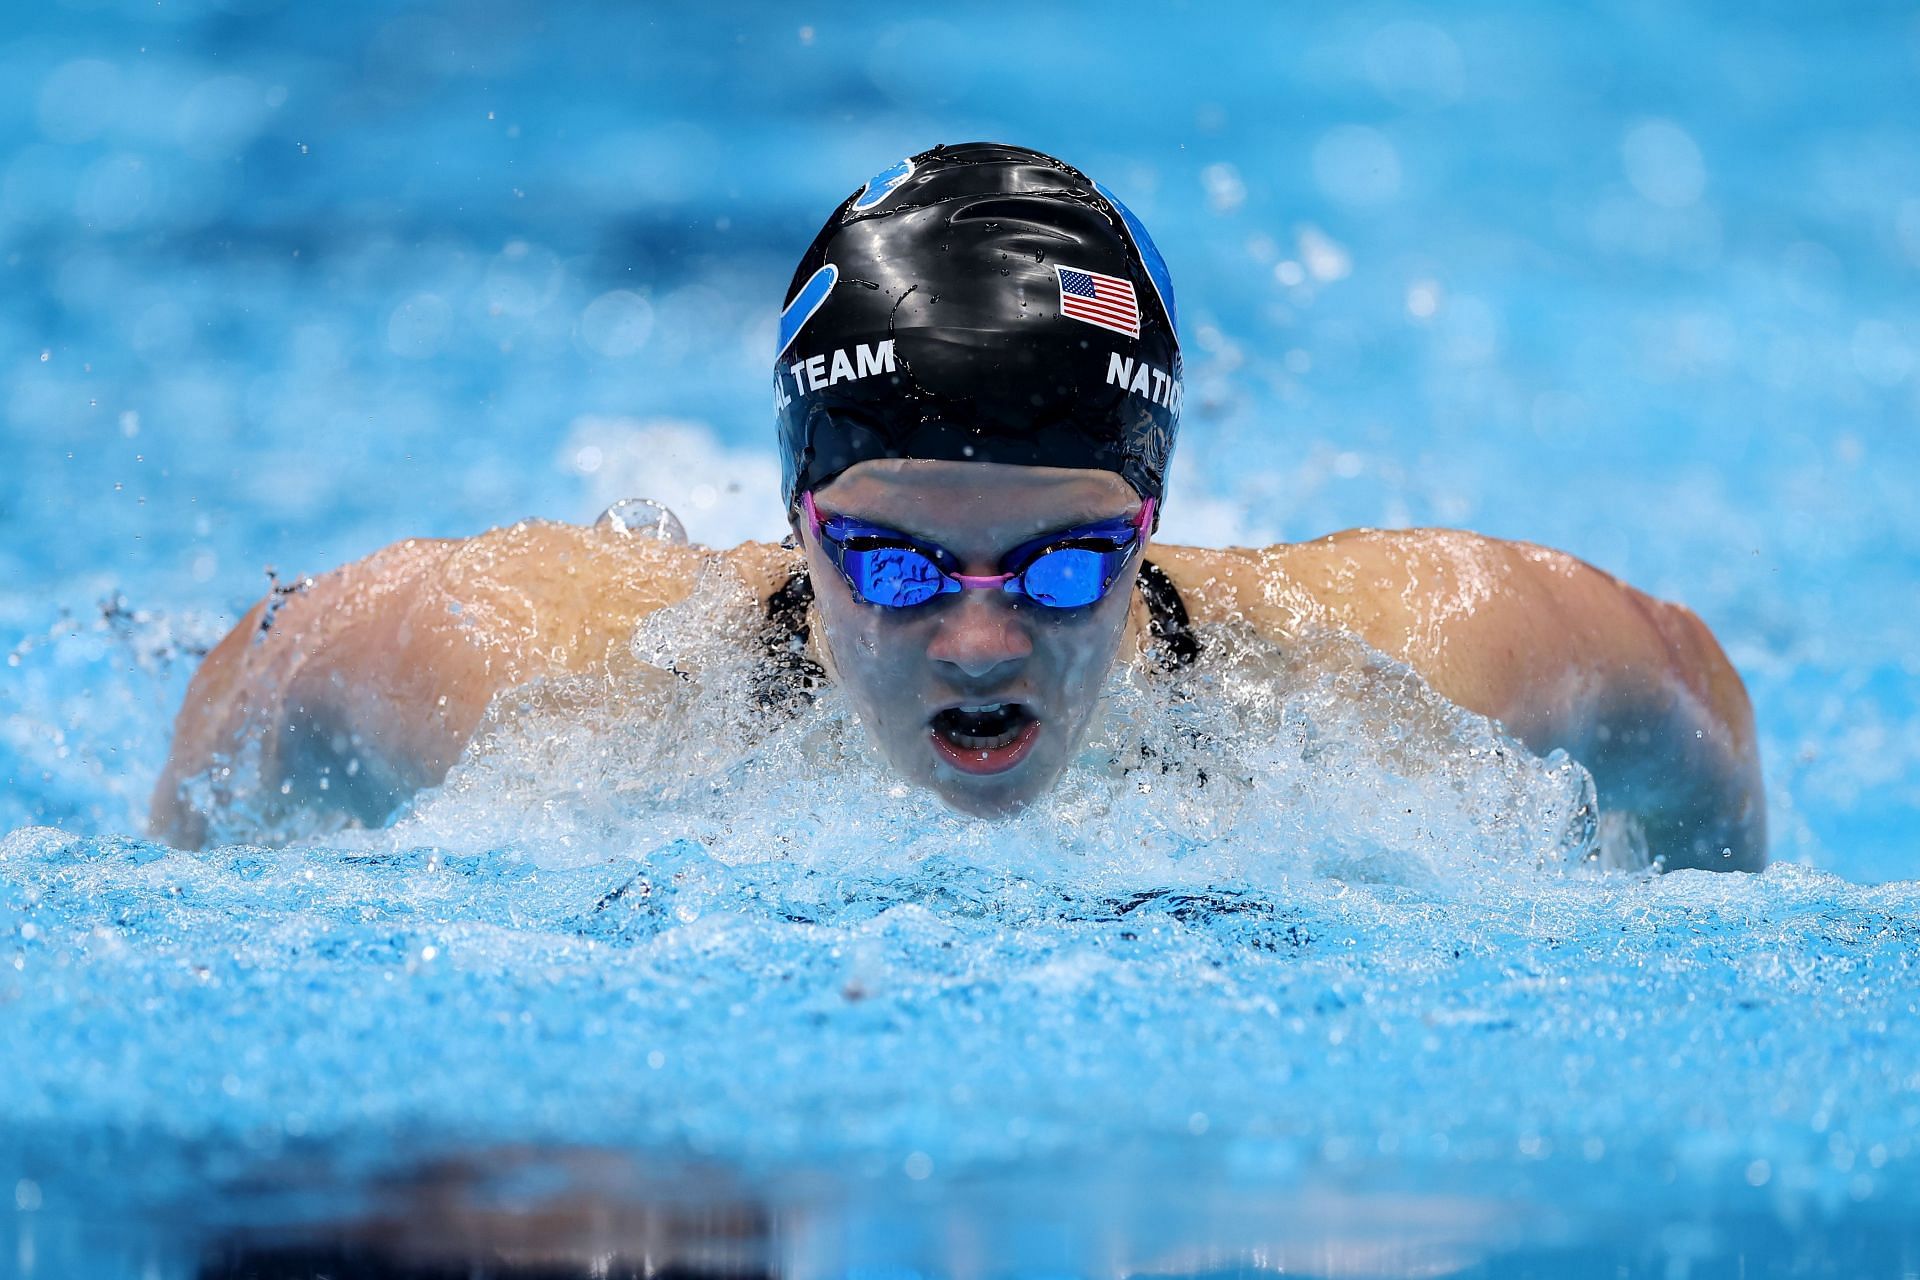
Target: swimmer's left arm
column 1562, row 654
column 1644, row 696
column 1566, row 656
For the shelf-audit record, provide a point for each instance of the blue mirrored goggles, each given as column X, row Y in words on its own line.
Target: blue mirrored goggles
column 1069, row 569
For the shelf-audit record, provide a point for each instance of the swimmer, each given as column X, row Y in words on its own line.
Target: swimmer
column 977, row 387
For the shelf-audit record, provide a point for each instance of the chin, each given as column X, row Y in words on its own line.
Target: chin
column 1002, row 798
column 989, row 807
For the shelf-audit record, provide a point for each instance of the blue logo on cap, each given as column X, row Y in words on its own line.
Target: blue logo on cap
column 1149, row 256
column 809, row 300
column 882, row 185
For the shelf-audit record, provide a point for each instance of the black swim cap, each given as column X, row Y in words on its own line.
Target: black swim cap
column 980, row 303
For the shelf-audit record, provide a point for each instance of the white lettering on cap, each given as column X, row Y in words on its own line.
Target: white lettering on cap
column 1139, row 378
column 818, row 372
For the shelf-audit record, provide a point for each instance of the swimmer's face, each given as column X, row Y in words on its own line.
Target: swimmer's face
column 981, row 695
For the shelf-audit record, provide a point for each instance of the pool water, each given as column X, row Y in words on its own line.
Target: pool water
column 637, row 993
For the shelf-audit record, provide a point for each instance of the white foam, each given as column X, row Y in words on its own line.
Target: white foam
column 1326, row 758
column 722, row 495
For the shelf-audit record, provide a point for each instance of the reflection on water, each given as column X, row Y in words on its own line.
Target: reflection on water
column 525, row 1214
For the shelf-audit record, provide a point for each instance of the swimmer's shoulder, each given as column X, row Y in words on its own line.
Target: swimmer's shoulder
column 402, row 650
column 533, row 598
column 1490, row 622
column 1349, row 580
column 552, row 596
column 535, row 593
column 1381, row 583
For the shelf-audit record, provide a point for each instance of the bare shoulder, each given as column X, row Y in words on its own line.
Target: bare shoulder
column 1484, row 619
column 1363, row 575
column 392, row 660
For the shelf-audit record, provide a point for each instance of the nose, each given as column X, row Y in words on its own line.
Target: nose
column 981, row 635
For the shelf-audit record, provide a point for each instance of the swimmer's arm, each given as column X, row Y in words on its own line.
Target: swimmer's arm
column 1636, row 689
column 1654, row 707
column 296, row 709
column 339, row 701
column 1639, row 691
column 1561, row 654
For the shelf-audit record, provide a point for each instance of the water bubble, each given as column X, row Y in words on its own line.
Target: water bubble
column 643, row 518
column 670, row 459
column 1907, row 227
column 418, row 326
column 1423, row 299
column 116, row 191
column 1357, row 165
column 1663, row 163
column 1469, row 332
column 617, row 323
column 1880, row 354
column 78, row 100
column 219, row 116
column 1225, row 190
column 1326, row 259
column 1415, row 64
column 522, row 280
column 898, row 63
column 1811, row 275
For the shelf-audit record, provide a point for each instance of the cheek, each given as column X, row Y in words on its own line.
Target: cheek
column 874, row 658
column 1083, row 647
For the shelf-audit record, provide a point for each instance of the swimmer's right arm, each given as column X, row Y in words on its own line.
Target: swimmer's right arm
column 342, row 697
column 298, row 708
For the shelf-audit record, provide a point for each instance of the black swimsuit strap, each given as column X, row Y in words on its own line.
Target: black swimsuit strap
column 1167, row 617
column 788, row 677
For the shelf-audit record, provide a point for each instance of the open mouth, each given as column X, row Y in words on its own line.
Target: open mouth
column 989, row 738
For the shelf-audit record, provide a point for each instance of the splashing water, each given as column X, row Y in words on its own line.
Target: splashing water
column 1294, row 927
column 1324, row 758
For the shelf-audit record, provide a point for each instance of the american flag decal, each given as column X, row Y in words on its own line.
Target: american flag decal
column 1107, row 301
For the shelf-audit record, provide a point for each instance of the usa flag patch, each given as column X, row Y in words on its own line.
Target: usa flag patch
column 1107, row 301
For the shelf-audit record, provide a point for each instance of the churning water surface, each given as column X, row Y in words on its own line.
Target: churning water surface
column 1298, row 972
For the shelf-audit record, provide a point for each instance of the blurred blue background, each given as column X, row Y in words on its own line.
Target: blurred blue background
column 282, row 283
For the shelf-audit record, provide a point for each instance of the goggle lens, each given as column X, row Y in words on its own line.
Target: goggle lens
column 897, row 577
column 1070, row 577
column 884, row 569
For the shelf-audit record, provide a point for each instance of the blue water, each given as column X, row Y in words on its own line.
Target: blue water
column 280, row 284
